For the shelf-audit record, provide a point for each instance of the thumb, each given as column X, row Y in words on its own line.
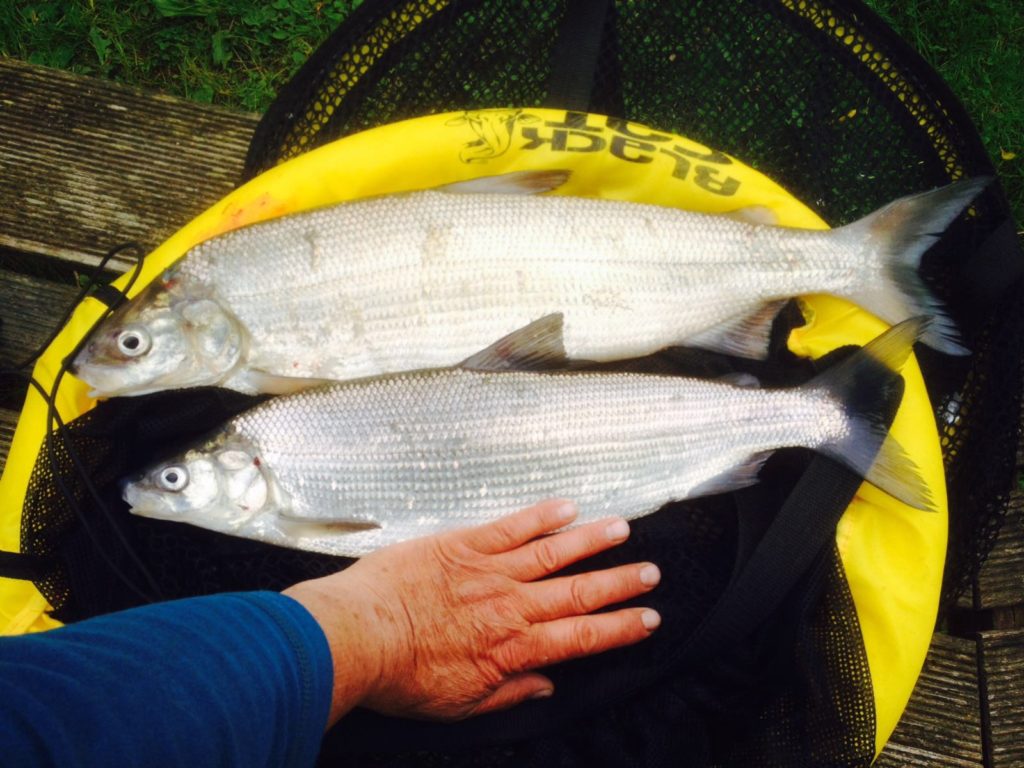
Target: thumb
column 518, row 688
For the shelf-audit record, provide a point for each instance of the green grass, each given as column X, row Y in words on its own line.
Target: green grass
column 978, row 48
column 239, row 52
column 231, row 52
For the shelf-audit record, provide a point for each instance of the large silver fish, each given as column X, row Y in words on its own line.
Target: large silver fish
column 426, row 279
column 351, row 467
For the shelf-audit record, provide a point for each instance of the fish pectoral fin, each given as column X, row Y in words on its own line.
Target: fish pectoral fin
column 744, row 335
column 740, row 476
column 515, row 183
column 539, row 345
column 302, row 525
column 254, row 381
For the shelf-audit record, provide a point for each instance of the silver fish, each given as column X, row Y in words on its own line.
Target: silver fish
column 350, row 467
column 425, row 279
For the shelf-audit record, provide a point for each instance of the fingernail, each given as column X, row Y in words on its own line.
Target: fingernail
column 543, row 693
column 651, row 619
column 566, row 511
column 617, row 530
column 650, row 575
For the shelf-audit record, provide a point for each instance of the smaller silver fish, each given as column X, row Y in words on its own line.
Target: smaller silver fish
column 351, row 467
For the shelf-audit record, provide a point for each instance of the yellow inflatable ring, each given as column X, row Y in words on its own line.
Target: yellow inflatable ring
column 893, row 555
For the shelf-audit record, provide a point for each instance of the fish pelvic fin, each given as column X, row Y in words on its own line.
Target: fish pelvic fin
column 742, row 475
column 537, row 346
column 898, row 234
column 746, row 335
column 870, row 387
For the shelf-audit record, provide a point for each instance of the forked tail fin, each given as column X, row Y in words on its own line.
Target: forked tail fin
column 870, row 387
column 899, row 234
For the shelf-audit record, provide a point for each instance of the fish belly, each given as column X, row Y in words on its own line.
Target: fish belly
column 428, row 279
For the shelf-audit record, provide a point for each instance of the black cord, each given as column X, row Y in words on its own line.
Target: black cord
column 90, row 281
column 55, row 427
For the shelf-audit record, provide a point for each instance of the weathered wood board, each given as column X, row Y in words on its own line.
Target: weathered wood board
column 942, row 724
column 30, row 308
column 1002, row 654
column 87, row 164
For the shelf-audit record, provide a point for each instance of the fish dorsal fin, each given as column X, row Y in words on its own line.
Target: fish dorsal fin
column 515, row 183
column 755, row 214
column 744, row 335
column 734, row 478
column 539, row 345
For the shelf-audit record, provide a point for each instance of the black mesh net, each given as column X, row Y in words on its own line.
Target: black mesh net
column 818, row 95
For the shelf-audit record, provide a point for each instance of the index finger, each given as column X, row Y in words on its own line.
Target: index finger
column 520, row 527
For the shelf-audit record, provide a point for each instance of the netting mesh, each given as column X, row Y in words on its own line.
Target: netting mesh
column 818, row 95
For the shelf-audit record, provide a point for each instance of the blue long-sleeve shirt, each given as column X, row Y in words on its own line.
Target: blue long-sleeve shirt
column 227, row 680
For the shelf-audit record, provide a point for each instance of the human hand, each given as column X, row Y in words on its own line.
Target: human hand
column 449, row 626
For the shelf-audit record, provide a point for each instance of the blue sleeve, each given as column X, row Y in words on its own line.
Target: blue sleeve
column 227, row 680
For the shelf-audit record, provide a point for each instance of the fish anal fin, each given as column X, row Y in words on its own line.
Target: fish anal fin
column 744, row 335
column 741, row 475
column 537, row 346
column 515, row 183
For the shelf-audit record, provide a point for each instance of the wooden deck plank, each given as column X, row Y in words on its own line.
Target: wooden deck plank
column 88, row 164
column 8, row 420
column 29, row 310
column 1003, row 656
column 942, row 723
column 1001, row 580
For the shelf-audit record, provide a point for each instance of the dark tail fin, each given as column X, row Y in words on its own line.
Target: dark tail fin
column 899, row 234
column 870, row 387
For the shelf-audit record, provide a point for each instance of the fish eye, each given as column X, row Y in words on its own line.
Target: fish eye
column 173, row 478
column 133, row 342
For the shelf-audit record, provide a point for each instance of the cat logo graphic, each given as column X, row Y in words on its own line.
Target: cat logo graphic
column 493, row 128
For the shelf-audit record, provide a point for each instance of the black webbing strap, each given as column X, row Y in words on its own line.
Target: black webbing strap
column 18, row 565
column 804, row 526
column 995, row 267
column 574, row 57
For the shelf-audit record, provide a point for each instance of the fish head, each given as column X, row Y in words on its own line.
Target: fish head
column 218, row 487
column 172, row 335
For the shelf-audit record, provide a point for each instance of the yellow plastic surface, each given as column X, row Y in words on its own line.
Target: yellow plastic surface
column 893, row 555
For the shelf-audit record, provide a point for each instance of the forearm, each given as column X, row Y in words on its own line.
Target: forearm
column 227, row 680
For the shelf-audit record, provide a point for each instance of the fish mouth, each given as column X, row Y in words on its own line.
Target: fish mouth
column 142, row 501
column 98, row 376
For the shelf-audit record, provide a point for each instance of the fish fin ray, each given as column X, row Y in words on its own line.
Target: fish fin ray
column 869, row 386
column 515, row 183
column 755, row 214
column 899, row 233
column 537, row 346
column 740, row 476
column 745, row 335
column 741, row 379
column 254, row 381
